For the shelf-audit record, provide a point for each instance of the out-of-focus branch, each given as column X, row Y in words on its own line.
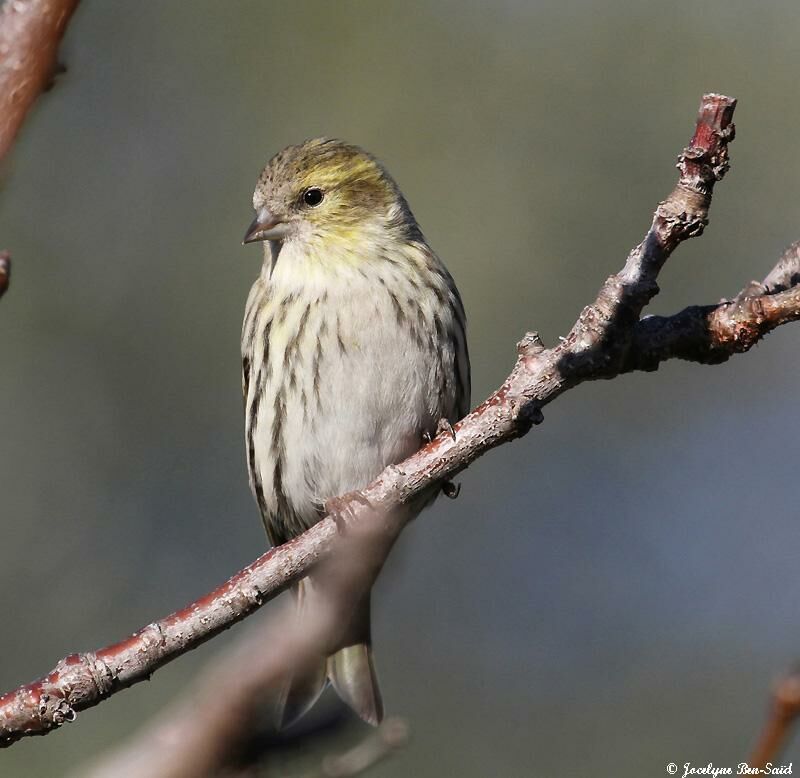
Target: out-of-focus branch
column 30, row 32
column 608, row 338
column 205, row 732
column 387, row 738
column 784, row 712
column 5, row 271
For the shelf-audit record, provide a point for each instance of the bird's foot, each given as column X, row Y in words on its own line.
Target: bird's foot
column 340, row 508
column 444, row 425
column 450, row 489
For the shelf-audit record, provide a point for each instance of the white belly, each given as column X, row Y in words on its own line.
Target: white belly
column 350, row 384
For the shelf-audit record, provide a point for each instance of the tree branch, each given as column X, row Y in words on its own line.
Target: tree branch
column 30, row 31
column 387, row 738
column 5, row 271
column 784, row 712
column 608, row 339
column 711, row 334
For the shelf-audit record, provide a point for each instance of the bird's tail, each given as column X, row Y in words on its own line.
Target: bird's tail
column 351, row 671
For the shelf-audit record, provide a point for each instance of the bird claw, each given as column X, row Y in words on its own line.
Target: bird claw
column 444, row 425
column 450, row 489
column 340, row 508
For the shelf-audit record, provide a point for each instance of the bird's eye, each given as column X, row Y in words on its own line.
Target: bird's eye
column 312, row 196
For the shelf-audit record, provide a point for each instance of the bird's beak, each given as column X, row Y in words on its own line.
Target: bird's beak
column 266, row 226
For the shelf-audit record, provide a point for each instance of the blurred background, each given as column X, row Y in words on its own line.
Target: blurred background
column 615, row 592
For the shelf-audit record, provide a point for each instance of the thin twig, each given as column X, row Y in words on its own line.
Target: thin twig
column 30, row 32
column 5, row 272
column 710, row 334
column 603, row 343
column 784, row 712
column 391, row 735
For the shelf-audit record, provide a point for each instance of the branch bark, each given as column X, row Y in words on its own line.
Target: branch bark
column 609, row 338
column 30, row 32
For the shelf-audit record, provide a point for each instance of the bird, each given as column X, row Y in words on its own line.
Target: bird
column 354, row 354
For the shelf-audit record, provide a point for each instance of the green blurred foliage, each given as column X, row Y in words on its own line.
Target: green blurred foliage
column 614, row 593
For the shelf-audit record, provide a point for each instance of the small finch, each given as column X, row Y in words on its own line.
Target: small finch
column 353, row 352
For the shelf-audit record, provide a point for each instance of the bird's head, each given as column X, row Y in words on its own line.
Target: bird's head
column 326, row 191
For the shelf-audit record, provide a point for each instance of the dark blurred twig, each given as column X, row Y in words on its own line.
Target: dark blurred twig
column 783, row 715
column 30, row 32
column 608, row 338
column 5, row 271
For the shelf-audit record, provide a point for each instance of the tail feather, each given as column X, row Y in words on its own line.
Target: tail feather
column 300, row 694
column 351, row 672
